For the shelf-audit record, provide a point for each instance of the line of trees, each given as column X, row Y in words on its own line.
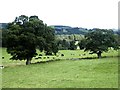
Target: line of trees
column 66, row 45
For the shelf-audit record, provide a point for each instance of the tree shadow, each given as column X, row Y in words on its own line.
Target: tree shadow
column 48, row 61
column 74, row 59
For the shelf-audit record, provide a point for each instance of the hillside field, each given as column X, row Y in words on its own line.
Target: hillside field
column 73, row 70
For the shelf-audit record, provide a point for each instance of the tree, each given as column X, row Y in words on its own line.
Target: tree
column 98, row 41
column 54, row 47
column 72, row 45
column 50, row 46
column 117, row 36
column 25, row 34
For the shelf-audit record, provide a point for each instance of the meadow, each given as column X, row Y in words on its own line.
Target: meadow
column 76, row 69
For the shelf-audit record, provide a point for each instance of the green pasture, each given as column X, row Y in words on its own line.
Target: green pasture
column 68, row 54
column 68, row 72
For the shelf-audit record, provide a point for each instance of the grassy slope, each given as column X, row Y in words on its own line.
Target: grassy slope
column 66, row 74
column 92, row 73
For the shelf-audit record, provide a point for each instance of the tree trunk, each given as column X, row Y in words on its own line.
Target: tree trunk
column 28, row 61
column 99, row 54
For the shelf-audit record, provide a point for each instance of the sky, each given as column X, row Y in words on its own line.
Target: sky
column 76, row 13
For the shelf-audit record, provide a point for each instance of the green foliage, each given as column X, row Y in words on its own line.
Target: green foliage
column 55, row 50
column 4, row 36
column 63, row 44
column 25, row 34
column 72, row 45
column 66, row 42
column 117, row 37
column 98, row 41
column 82, row 44
column 50, row 45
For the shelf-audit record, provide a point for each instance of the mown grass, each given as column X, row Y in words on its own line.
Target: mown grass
column 84, row 73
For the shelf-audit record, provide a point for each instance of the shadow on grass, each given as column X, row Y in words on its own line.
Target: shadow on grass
column 100, row 58
column 74, row 59
column 54, row 60
column 46, row 61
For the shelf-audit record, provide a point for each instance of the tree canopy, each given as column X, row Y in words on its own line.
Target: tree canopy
column 25, row 34
column 98, row 41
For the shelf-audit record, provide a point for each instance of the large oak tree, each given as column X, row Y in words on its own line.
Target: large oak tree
column 25, row 34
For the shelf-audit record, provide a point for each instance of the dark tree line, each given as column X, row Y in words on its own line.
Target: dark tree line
column 4, row 35
column 66, row 45
column 25, row 35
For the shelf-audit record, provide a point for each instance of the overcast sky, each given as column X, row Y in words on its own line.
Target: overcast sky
column 76, row 13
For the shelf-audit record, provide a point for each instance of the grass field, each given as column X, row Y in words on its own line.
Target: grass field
column 84, row 73
column 67, row 55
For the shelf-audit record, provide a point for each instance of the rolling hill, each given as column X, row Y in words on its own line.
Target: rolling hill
column 62, row 29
